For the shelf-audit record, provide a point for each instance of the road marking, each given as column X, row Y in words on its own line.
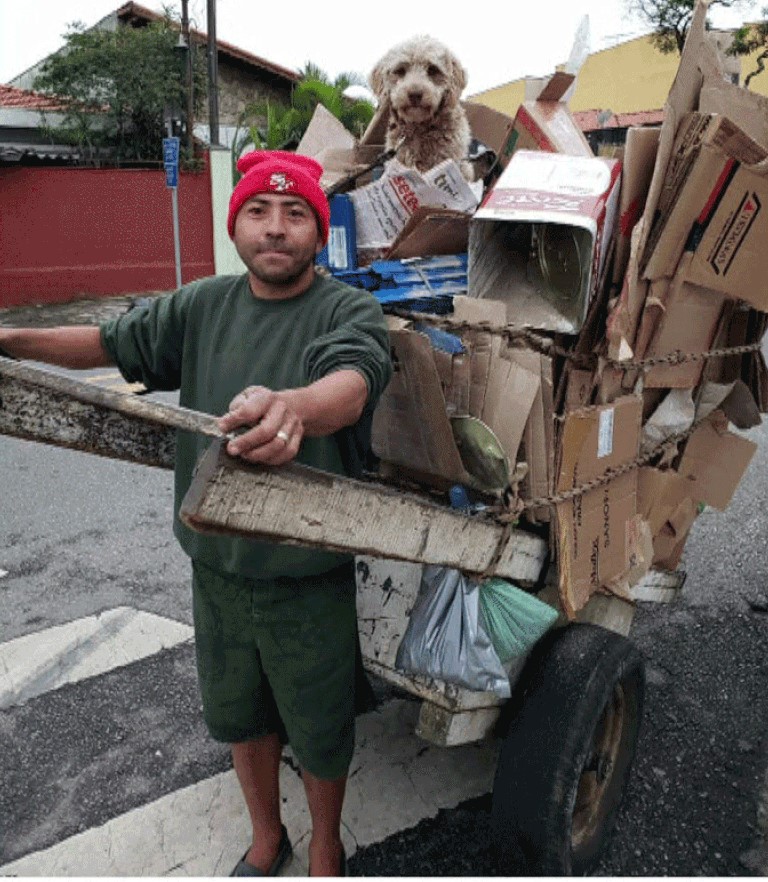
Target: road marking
column 120, row 386
column 46, row 660
column 202, row 830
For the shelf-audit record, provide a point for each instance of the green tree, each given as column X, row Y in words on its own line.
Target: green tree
column 118, row 86
column 273, row 125
column 752, row 38
column 671, row 19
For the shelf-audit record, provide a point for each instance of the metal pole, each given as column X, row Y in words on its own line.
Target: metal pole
column 189, row 79
column 213, row 75
column 176, row 240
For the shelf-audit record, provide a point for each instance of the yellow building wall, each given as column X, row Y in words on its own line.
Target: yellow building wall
column 629, row 77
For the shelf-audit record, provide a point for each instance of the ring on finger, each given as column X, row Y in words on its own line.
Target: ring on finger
column 283, row 436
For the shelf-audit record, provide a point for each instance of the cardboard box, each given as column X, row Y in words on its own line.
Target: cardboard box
column 593, row 545
column 539, row 242
column 712, row 205
column 546, row 123
column 383, row 207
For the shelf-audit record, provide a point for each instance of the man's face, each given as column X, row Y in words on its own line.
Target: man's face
column 277, row 238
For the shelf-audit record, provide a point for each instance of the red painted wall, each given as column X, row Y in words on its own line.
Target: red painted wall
column 76, row 232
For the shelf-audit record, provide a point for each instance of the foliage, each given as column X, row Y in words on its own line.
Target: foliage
column 671, row 19
column 118, row 85
column 752, row 38
column 271, row 125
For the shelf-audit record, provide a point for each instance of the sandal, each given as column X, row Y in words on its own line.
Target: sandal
column 284, row 854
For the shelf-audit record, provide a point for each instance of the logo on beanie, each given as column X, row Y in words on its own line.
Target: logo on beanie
column 280, row 182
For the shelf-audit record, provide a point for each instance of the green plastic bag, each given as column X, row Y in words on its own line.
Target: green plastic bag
column 515, row 620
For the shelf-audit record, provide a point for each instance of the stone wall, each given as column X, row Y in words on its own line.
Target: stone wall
column 238, row 87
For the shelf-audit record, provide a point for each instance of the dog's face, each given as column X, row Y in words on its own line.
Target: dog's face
column 419, row 78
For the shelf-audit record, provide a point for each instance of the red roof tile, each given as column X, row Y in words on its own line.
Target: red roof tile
column 134, row 10
column 23, row 99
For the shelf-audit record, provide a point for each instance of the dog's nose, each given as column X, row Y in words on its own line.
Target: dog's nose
column 414, row 96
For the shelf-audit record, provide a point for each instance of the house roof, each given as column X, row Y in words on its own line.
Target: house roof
column 23, row 99
column 594, row 120
column 134, row 13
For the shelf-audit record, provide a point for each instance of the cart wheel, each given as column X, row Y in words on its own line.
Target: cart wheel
column 566, row 756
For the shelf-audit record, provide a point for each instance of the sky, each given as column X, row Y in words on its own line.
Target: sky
column 497, row 41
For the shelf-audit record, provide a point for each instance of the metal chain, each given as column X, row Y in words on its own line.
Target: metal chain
column 544, row 345
column 518, row 506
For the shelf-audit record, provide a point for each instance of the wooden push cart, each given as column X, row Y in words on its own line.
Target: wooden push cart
column 569, row 732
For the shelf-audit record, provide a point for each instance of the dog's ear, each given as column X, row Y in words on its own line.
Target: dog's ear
column 457, row 75
column 377, row 78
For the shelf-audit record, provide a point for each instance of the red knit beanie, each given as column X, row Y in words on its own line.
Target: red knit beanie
column 277, row 171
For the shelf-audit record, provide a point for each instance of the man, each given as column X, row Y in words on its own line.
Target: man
column 296, row 362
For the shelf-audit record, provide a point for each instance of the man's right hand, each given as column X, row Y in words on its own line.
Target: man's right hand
column 274, row 430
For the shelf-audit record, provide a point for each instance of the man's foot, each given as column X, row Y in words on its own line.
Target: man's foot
column 254, row 863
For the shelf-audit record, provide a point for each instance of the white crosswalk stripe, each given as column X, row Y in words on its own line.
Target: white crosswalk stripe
column 46, row 660
column 202, row 829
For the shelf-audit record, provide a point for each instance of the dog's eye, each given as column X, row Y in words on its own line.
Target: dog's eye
column 434, row 72
column 400, row 70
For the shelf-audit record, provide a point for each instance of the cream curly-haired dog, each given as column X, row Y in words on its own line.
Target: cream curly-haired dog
column 422, row 80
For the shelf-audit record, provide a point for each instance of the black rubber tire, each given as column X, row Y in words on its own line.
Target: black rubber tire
column 572, row 726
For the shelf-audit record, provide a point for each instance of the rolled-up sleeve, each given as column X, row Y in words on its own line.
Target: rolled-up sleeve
column 359, row 342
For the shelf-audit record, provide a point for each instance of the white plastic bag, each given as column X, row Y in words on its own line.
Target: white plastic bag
column 446, row 638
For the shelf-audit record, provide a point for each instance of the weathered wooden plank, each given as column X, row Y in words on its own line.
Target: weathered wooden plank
column 449, row 729
column 449, row 696
column 301, row 506
column 41, row 405
column 658, row 586
column 294, row 504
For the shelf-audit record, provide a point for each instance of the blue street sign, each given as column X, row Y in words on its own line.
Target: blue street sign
column 171, row 161
column 170, row 151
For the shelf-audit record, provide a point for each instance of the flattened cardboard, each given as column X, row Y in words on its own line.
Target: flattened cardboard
column 410, row 424
column 511, row 392
column 697, row 61
column 430, row 232
column 324, row 131
column 539, row 437
column 664, row 499
column 688, row 322
column 492, row 128
column 455, row 379
column 484, row 346
column 715, row 461
column 592, row 541
column 637, row 170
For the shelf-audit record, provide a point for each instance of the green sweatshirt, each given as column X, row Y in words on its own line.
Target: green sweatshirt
column 211, row 339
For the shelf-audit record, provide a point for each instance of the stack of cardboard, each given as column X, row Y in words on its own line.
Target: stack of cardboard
column 610, row 262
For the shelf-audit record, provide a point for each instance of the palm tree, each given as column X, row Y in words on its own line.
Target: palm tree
column 271, row 125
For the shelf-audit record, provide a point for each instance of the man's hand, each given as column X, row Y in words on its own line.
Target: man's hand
column 275, row 429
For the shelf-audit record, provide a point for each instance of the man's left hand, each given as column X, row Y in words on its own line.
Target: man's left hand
column 275, row 429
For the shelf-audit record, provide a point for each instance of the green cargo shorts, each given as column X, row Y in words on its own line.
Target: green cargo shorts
column 278, row 655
